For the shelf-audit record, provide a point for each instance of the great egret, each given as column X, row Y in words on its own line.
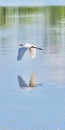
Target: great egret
column 23, row 47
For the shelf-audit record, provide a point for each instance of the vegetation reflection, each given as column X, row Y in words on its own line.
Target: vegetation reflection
column 55, row 13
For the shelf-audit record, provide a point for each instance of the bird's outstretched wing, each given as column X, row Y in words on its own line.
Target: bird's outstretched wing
column 22, row 83
column 21, row 52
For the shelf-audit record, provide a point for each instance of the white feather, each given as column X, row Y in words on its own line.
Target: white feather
column 32, row 52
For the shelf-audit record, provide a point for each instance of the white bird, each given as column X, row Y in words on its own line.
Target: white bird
column 23, row 47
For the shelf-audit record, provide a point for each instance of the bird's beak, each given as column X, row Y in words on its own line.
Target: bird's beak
column 20, row 44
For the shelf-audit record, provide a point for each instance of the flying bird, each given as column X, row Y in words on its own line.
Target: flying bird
column 32, row 50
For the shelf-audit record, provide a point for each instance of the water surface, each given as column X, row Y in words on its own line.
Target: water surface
column 32, row 92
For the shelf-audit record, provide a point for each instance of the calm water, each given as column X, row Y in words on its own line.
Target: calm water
column 32, row 92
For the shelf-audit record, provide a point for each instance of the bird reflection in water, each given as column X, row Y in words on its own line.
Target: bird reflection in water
column 32, row 83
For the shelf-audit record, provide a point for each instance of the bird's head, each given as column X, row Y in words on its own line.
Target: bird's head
column 21, row 44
